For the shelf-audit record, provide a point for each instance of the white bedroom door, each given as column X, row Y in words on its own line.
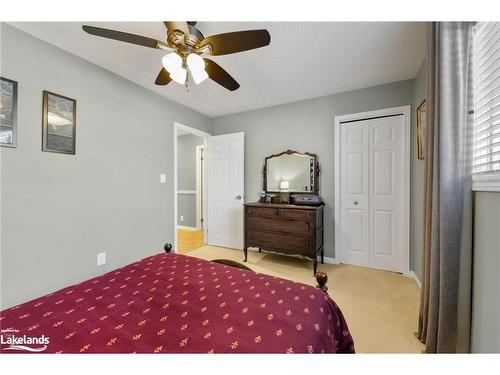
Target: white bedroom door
column 372, row 192
column 225, row 167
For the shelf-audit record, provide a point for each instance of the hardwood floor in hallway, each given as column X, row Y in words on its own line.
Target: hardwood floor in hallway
column 189, row 240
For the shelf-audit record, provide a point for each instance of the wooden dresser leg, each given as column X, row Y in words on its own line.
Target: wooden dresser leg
column 260, row 249
column 315, row 265
column 322, row 255
column 245, row 250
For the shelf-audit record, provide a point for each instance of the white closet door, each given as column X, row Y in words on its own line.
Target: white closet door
column 372, row 193
column 354, row 194
column 225, row 157
column 387, row 193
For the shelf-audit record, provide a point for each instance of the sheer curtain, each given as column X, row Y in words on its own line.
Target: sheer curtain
column 444, row 323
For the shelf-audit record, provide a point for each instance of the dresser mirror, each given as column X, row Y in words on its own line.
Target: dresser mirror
column 291, row 171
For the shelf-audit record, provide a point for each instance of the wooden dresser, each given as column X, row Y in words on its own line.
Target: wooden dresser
column 284, row 228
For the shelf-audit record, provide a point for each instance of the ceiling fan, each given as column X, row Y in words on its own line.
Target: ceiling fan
column 186, row 45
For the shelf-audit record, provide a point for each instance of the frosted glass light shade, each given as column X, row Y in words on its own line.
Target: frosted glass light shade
column 199, row 76
column 196, row 66
column 195, row 62
column 172, row 62
column 179, row 75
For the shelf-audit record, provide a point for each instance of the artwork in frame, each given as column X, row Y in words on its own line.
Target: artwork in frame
column 59, row 123
column 421, row 127
column 8, row 112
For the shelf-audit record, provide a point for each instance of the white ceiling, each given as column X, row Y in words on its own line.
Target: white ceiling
column 303, row 61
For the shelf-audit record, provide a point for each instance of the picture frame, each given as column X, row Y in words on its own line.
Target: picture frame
column 421, row 129
column 8, row 112
column 58, row 124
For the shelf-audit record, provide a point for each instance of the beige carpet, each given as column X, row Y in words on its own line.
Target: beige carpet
column 381, row 308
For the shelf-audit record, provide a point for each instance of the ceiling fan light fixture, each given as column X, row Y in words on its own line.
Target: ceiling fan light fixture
column 197, row 68
column 173, row 65
column 199, row 75
column 195, row 62
column 172, row 62
column 179, row 75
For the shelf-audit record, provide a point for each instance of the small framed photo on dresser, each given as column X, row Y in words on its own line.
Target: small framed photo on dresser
column 8, row 112
column 59, row 124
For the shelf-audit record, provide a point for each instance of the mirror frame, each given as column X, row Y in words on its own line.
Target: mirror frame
column 294, row 152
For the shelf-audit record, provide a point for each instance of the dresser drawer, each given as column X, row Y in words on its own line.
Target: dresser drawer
column 281, row 242
column 280, row 224
column 279, row 212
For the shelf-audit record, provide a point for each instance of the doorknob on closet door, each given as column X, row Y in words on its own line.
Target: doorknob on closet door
column 356, row 203
column 238, row 197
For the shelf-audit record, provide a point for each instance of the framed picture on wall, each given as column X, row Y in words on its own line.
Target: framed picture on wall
column 59, row 123
column 8, row 112
column 421, row 126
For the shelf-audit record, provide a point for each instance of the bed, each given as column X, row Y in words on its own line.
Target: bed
column 172, row 303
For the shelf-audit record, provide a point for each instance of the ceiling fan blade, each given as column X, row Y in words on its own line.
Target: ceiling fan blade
column 177, row 26
column 163, row 78
column 123, row 37
column 238, row 41
column 219, row 75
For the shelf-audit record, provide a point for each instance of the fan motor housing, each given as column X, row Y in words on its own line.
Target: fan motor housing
column 195, row 36
column 185, row 44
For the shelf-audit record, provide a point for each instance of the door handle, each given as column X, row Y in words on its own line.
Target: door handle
column 356, row 203
column 238, row 197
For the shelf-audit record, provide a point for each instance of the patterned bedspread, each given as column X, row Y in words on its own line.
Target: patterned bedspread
column 171, row 303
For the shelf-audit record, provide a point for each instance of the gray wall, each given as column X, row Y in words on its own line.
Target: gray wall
column 186, row 178
column 485, row 336
column 186, row 207
column 58, row 211
column 306, row 126
column 417, row 177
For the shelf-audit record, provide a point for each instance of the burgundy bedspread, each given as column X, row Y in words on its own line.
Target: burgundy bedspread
column 171, row 303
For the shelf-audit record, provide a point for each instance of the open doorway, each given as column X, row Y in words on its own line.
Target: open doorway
column 189, row 183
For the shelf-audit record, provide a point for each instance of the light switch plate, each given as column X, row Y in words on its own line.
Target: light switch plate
column 101, row 259
column 163, row 178
column 182, row 218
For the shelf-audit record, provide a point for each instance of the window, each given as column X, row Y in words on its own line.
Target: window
column 486, row 76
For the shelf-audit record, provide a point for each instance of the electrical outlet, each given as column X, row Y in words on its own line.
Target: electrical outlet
column 163, row 178
column 182, row 218
column 101, row 259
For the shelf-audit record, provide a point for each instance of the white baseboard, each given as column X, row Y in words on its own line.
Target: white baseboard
column 329, row 260
column 186, row 227
column 415, row 278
